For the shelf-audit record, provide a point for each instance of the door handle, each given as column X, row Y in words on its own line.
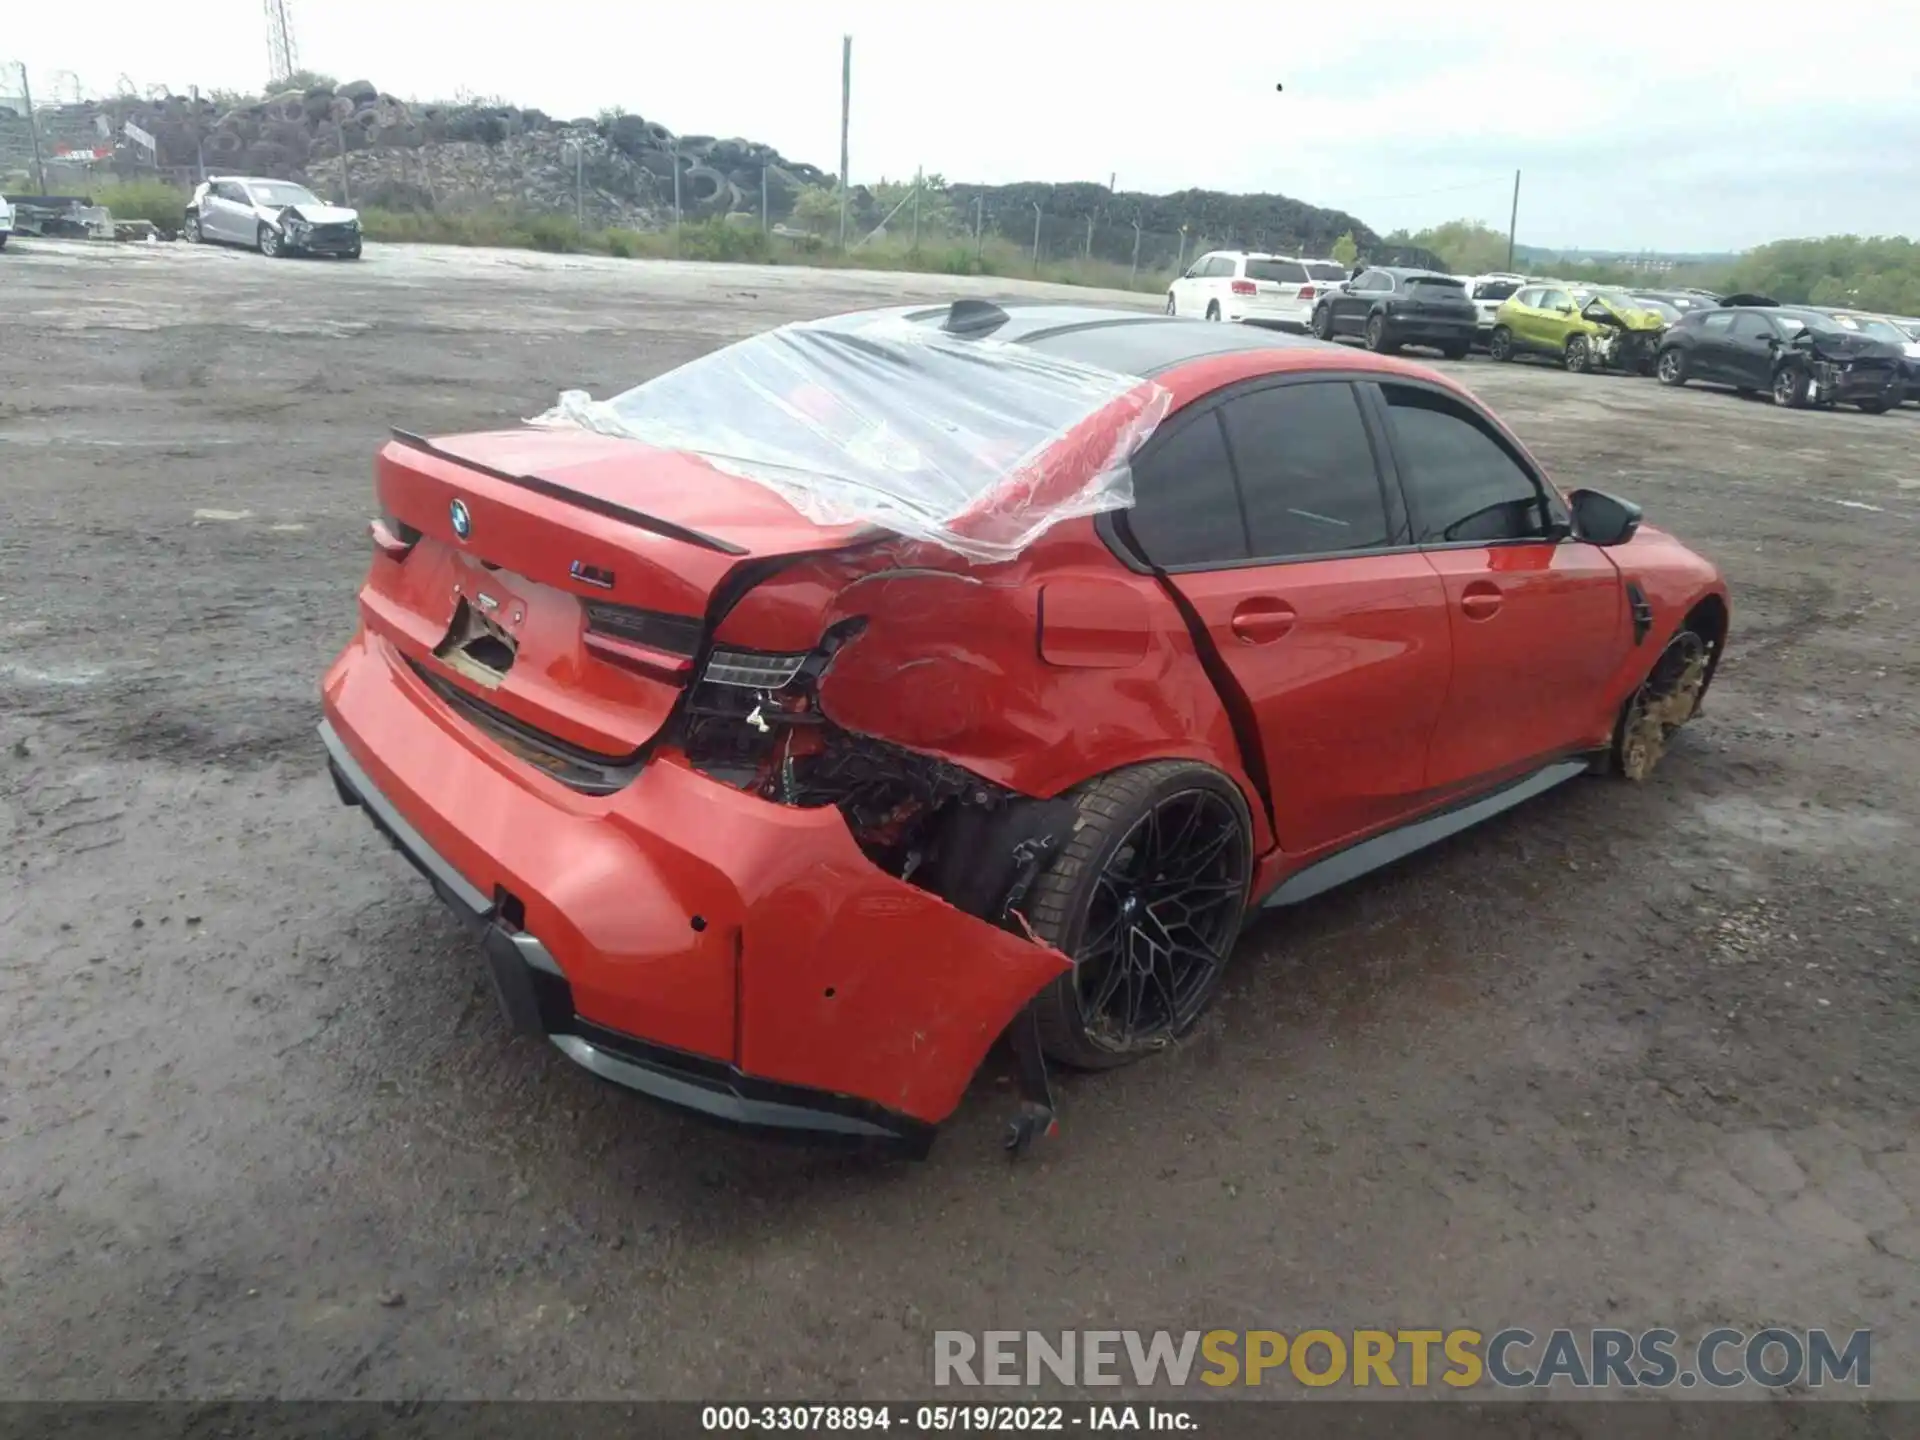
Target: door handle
column 1261, row 620
column 1481, row 601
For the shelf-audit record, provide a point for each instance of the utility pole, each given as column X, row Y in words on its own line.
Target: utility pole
column 919, row 172
column 33, row 129
column 1513, row 220
column 1087, row 254
column 1133, row 274
column 579, row 184
column 766, row 211
column 1036, row 237
column 979, row 244
column 846, row 111
column 346, row 185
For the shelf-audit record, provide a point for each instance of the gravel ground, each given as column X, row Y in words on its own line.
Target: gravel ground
column 1632, row 1056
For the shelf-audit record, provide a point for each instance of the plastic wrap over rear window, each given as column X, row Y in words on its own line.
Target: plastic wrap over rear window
column 975, row 444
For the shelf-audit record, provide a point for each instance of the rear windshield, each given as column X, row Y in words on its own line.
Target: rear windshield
column 1285, row 272
column 1326, row 270
column 878, row 420
column 1437, row 282
column 1495, row 289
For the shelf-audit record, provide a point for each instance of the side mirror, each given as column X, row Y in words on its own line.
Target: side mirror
column 1603, row 519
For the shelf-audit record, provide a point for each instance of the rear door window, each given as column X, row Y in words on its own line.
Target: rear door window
column 1186, row 511
column 1286, row 272
column 1307, row 476
column 1718, row 323
column 1463, row 484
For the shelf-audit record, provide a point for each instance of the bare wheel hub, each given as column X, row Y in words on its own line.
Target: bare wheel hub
column 1664, row 703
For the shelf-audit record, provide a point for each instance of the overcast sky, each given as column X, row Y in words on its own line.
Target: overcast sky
column 1686, row 125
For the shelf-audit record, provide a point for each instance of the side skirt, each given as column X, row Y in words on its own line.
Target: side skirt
column 1383, row 850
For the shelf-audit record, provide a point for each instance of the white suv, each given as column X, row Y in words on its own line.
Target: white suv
column 1252, row 287
column 1488, row 293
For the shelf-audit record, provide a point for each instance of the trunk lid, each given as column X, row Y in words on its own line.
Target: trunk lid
column 558, row 583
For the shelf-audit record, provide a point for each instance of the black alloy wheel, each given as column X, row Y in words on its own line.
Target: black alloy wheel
column 1147, row 898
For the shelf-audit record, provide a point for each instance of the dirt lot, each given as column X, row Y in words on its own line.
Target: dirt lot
column 1627, row 1056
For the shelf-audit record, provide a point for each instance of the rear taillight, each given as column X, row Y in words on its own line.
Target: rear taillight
column 1245, row 287
column 750, row 671
column 393, row 538
column 1306, row 292
column 642, row 639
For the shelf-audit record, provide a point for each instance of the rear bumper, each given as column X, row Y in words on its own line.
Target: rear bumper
column 1291, row 314
column 1424, row 330
column 712, row 950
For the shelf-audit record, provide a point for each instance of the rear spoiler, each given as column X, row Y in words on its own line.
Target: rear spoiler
column 640, row 520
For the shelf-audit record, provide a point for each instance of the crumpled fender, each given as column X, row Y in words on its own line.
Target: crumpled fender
column 1036, row 674
column 847, row 979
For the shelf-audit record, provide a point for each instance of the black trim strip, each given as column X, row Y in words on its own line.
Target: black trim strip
column 579, row 498
column 1381, row 850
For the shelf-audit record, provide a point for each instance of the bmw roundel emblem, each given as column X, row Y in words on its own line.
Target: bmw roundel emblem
column 462, row 521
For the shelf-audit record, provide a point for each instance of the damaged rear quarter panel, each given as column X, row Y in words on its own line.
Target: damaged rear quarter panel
column 955, row 662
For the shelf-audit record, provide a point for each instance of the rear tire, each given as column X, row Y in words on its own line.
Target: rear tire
column 1149, row 943
column 1172, row 308
column 1323, row 322
column 1874, row 407
column 1671, row 368
column 1213, row 310
column 1500, row 344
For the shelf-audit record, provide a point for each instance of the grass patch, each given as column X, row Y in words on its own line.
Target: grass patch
column 153, row 200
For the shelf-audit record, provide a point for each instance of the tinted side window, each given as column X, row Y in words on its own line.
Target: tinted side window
column 1306, row 471
column 1528, row 297
column 1219, row 265
column 1185, row 509
column 1371, row 280
column 1717, row 323
column 1555, row 299
column 1751, row 327
column 1462, row 483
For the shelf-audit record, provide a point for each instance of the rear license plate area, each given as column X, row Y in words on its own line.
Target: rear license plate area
column 476, row 646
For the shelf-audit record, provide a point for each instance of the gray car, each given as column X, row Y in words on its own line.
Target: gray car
column 275, row 217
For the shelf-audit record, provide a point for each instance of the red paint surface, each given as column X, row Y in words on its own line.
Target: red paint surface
column 611, row 886
column 1370, row 689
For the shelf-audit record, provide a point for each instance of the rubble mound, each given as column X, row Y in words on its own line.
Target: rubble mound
column 633, row 160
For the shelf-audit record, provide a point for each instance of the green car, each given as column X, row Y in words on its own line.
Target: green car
column 1584, row 327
